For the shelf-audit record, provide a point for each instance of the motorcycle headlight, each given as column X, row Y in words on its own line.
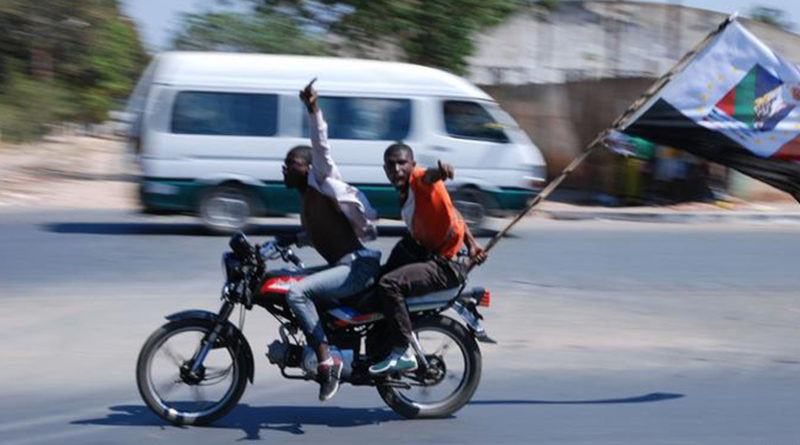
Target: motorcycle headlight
column 241, row 247
column 232, row 267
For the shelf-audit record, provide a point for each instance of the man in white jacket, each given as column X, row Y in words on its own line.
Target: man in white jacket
column 337, row 219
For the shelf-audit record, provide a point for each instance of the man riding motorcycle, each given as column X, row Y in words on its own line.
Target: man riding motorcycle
column 195, row 368
column 337, row 219
column 428, row 258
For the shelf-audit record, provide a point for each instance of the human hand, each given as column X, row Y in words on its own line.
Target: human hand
column 477, row 253
column 446, row 171
column 308, row 96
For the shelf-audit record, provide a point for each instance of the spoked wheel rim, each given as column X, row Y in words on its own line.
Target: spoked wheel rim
column 181, row 395
column 447, row 375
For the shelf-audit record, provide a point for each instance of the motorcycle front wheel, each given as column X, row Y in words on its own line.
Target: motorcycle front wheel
column 174, row 393
column 455, row 371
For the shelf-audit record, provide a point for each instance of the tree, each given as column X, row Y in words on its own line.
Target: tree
column 78, row 58
column 112, row 67
column 437, row 33
column 771, row 16
column 260, row 32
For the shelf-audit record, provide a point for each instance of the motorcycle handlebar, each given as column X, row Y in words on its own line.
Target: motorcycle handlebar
column 295, row 259
column 285, row 253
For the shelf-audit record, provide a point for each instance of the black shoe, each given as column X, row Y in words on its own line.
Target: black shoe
column 329, row 376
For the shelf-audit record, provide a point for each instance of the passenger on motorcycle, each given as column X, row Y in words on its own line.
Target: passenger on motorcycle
column 430, row 258
column 337, row 219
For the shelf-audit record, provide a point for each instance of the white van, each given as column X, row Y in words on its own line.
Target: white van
column 212, row 130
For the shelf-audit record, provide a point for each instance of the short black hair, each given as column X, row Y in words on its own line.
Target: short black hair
column 398, row 147
column 302, row 152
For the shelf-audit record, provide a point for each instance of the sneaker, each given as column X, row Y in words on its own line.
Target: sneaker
column 329, row 376
column 405, row 363
column 395, row 363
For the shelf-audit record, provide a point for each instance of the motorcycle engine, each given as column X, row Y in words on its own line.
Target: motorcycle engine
column 284, row 355
column 310, row 360
column 287, row 355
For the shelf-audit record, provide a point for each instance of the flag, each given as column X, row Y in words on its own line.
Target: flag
column 626, row 145
column 737, row 103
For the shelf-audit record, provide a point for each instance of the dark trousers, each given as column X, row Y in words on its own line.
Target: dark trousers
column 411, row 271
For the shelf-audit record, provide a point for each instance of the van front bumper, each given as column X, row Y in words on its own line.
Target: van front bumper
column 168, row 195
column 511, row 199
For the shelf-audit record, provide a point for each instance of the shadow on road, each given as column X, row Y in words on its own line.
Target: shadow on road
column 652, row 397
column 293, row 419
column 253, row 419
column 145, row 228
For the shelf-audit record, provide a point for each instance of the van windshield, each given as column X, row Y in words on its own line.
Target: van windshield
column 470, row 120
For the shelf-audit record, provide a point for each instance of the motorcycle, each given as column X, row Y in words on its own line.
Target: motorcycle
column 194, row 369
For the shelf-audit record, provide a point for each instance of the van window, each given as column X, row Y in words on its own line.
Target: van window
column 228, row 114
column 469, row 120
column 365, row 118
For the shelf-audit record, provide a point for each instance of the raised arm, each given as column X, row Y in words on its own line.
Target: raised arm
column 321, row 160
column 441, row 172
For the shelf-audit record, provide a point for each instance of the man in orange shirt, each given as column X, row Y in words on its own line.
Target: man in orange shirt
column 426, row 260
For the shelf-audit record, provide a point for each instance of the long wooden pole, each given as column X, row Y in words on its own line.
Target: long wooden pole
column 618, row 122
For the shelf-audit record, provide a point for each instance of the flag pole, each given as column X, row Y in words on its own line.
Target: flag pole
column 618, row 122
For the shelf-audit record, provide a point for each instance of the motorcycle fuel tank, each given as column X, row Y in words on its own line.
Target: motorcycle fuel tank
column 278, row 282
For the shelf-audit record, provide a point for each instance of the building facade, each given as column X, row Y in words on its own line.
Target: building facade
column 601, row 39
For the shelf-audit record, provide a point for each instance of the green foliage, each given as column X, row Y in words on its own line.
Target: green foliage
column 771, row 16
column 28, row 105
column 436, row 33
column 550, row 5
column 112, row 67
column 64, row 60
column 262, row 33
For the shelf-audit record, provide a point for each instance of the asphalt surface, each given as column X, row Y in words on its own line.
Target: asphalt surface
column 609, row 332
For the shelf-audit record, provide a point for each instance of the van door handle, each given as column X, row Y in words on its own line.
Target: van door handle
column 440, row 148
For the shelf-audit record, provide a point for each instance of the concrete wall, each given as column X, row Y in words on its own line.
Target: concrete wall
column 566, row 75
column 562, row 118
column 598, row 39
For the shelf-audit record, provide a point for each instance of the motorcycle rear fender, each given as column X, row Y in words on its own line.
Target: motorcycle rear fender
column 434, row 300
column 464, row 304
column 230, row 331
column 466, row 307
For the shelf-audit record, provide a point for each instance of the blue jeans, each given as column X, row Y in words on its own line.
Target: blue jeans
column 338, row 281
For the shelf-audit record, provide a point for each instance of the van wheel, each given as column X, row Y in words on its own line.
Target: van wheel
column 471, row 203
column 226, row 209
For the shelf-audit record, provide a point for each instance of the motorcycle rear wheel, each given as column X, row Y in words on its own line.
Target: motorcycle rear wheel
column 224, row 364
column 464, row 366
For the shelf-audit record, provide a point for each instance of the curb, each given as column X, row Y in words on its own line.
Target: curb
column 679, row 217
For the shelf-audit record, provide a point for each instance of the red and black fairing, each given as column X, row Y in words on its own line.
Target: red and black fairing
column 356, row 310
column 271, row 291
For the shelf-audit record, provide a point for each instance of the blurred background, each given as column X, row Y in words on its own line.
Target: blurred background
column 623, row 327
column 562, row 69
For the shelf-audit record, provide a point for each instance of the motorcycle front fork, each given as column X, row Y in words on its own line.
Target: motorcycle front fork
column 423, row 362
column 211, row 337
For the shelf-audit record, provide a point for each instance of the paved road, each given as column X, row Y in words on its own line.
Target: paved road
column 609, row 333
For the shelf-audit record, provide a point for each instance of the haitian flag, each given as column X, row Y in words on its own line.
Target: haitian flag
column 736, row 103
